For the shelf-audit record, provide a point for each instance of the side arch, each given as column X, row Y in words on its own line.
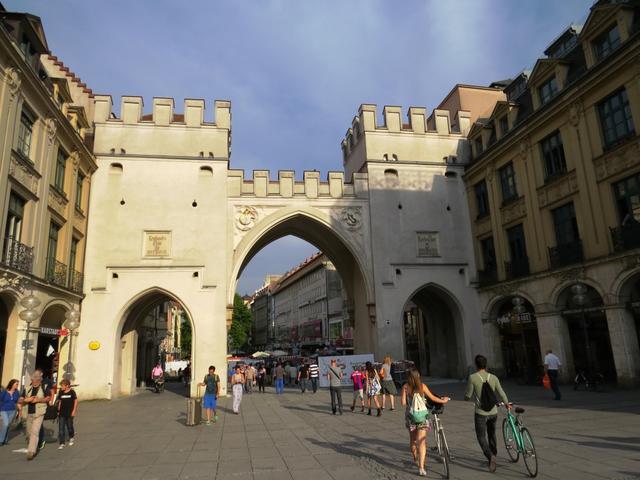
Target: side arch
column 561, row 287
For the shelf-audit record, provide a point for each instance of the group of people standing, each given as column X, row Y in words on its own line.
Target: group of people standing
column 33, row 402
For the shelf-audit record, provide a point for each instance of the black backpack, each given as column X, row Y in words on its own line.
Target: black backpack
column 487, row 398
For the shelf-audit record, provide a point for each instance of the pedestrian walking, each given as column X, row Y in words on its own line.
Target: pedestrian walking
column 36, row 396
column 551, row 366
column 67, row 408
column 416, row 417
column 250, row 375
column 261, row 376
column 186, row 374
column 303, row 377
column 293, row 374
column 334, row 375
column 9, row 399
column 482, row 388
column 278, row 377
column 314, row 375
column 211, row 383
column 388, row 386
column 357, row 377
column 373, row 387
column 237, row 382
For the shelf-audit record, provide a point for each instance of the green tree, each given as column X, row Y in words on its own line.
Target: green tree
column 241, row 321
column 185, row 338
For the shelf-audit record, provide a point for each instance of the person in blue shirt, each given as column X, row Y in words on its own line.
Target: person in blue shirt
column 9, row 400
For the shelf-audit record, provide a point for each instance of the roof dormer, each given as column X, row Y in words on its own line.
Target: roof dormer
column 608, row 26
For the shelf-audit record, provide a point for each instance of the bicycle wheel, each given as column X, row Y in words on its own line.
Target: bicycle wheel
column 444, row 453
column 529, row 455
column 510, row 444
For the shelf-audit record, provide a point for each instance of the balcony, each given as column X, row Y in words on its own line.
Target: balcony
column 487, row 277
column 75, row 281
column 626, row 237
column 56, row 272
column 517, row 268
column 566, row 254
column 17, row 255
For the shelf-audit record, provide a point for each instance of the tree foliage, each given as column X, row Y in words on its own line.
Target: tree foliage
column 185, row 338
column 241, row 321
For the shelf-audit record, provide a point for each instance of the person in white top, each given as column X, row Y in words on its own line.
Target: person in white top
column 551, row 366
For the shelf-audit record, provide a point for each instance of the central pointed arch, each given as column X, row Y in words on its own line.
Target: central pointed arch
column 326, row 234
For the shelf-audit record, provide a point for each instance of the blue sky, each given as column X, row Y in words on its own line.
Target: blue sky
column 297, row 70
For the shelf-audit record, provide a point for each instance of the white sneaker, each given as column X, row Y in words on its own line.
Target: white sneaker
column 71, row 442
column 61, row 446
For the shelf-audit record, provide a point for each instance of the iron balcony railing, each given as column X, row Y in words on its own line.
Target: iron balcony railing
column 566, row 254
column 17, row 255
column 56, row 272
column 517, row 268
column 75, row 281
column 626, row 237
column 488, row 276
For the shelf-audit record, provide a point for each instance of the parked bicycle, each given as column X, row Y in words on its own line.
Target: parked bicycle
column 518, row 440
column 442, row 447
column 590, row 382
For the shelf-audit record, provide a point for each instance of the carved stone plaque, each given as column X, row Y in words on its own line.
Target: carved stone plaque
column 156, row 244
column 428, row 244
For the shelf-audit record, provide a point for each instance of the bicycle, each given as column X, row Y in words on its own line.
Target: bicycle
column 518, row 440
column 592, row 382
column 442, row 446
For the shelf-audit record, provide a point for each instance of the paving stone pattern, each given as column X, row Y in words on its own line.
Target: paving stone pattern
column 585, row 436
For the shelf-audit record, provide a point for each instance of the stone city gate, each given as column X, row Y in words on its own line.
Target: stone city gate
column 171, row 220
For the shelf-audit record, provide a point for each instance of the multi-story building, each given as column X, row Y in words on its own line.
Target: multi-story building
column 304, row 309
column 554, row 196
column 45, row 169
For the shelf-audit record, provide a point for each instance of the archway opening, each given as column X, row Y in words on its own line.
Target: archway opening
column 50, row 342
column 432, row 333
column 156, row 329
column 316, row 304
column 519, row 340
column 589, row 332
column 630, row 296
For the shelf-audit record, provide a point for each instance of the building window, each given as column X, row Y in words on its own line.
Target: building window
column 627, row 195
column 565, row 224
column 504, row 125
column 607, row 43
column 15, row 215
column 548, row 90
column 73, row 255
column 52, row 249
column 61, row 162
column 79, row 184
column 482, row 199
column 518, row 265
column 488, row 254
column 615, row 118
column 553, row 155
column 508, row 183
column 478, row 146
column 24, row 134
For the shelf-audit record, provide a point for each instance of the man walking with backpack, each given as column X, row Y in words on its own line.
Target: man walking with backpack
column 482, row 388
column 36, row 397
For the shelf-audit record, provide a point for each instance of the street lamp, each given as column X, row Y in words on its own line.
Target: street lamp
column 28, row 316
column 72, row 323
column 519, row 308
column 581, row 299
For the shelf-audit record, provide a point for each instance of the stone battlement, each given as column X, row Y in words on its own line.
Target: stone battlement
column 260, row 185
column 439, row 123
column 163, row 114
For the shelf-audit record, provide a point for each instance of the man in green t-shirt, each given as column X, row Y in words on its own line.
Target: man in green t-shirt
column 485, row 420
column 211, row 383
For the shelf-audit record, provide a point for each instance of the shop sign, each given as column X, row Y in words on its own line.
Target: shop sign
column 54, row 332
column 526, row 317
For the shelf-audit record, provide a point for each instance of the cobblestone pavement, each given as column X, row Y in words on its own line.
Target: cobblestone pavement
column 585, row 436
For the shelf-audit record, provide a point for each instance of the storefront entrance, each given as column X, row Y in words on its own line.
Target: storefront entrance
column 519, row 342
column 49, row 343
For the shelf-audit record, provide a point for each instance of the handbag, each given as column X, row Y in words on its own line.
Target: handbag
column 418, row 413
column 375, row 385
column 546, row 382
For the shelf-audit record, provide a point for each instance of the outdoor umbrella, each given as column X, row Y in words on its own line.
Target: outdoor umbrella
column 279, row 353
column 261, row 355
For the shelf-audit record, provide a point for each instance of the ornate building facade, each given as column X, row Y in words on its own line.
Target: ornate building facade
column 554, row 196
column 46, row 165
